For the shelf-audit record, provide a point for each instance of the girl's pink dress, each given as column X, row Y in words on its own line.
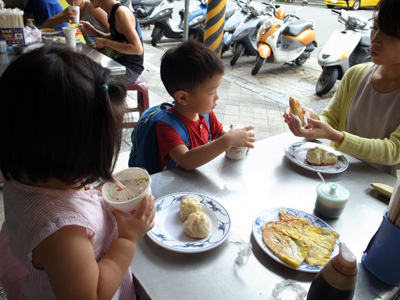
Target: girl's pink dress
column 34, row 213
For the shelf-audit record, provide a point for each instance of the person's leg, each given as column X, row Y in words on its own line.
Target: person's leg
column 129, row 77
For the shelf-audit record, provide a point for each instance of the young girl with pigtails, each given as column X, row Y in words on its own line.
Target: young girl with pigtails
column 59, row 133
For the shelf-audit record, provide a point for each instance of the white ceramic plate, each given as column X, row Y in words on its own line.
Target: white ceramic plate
column 49, row 33
column 297, row 152
column 168, row 232
column 61, row 40
column 273, row 215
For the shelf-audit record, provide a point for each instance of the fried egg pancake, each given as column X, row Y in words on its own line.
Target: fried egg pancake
column 294, row 241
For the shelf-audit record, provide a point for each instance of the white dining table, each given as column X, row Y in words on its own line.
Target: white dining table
column 263, row 180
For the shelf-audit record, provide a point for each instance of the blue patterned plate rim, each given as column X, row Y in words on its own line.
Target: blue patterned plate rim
column 273, row 215
column 220, row 224
column 297, row 151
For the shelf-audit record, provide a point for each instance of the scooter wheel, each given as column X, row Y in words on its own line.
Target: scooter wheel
column 223, row 49
column 156, row 36
column 257, row 65
column 326, row 80
column 237, row 53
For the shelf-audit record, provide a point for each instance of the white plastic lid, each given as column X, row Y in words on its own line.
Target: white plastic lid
column 333, row 192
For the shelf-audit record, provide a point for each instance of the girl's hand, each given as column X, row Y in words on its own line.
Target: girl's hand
column 135, row 226
column 242, row 137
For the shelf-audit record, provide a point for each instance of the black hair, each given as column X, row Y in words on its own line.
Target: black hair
column 388, row 12
column 58, row 118
column 186, row 66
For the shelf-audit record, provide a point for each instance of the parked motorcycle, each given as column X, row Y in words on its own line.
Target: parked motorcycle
column 284, row 38
column 245, row 35
column 164, row 25
column 344, row 49
column 232, row 23
column 197, row 20
column 143, row 10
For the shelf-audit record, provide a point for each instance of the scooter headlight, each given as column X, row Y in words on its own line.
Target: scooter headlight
column 196, row 20
column 267, row 25
column 162, row 13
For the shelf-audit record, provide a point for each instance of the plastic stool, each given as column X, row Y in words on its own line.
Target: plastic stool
column 143, row 103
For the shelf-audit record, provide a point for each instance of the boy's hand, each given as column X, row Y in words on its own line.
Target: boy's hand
column 135, row 226
column 242, row 137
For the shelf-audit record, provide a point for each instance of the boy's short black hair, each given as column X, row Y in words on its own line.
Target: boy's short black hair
column 58, row 118
column 188, row 65
column 389, row 17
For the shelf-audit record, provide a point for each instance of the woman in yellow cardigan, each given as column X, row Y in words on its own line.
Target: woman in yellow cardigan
column 363, row 117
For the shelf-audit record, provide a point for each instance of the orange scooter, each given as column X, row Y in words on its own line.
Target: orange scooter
column 284, row 38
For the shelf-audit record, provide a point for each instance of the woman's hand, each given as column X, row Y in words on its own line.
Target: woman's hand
column 308, row 112
column 88, row 28
column 100, row 42
column 316, row 130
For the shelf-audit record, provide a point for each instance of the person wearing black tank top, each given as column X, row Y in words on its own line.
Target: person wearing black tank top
column 125, row 37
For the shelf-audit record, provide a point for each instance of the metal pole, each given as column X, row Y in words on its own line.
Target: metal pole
column 215, row 20
column 186, row 21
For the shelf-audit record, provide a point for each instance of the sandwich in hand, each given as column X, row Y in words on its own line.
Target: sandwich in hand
column 297, row 110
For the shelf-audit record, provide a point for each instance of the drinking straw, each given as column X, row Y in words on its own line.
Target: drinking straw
column 123, row 186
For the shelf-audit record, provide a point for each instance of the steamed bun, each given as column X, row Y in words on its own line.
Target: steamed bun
column 197, row 225
column 189, row 205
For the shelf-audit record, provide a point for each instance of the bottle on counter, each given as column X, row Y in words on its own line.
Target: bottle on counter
column 337, row 279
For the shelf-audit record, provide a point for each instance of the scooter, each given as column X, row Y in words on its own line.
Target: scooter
column 344, row 49
column 232, row 23
column 244, row 37
column 197, row 20
column 284, row 38
column 164, row 25
column 143, row 10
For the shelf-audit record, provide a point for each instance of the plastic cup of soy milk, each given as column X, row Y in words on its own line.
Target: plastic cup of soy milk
column 138, row 183
column 235, row 152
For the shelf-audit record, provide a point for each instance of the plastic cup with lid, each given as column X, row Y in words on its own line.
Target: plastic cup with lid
column 138, row 184
column 70, row 36
column 235, row 152
column 331, row 199
column 75, row 10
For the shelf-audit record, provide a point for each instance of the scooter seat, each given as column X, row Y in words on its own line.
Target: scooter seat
column 365, row 40
column 297, row 26
column 150, row 2
column 229, row 11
